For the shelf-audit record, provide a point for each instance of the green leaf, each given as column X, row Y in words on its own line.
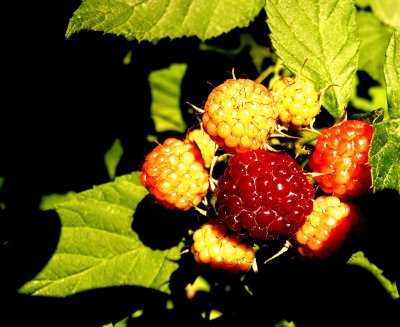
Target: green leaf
column 112, row 157
column 153, row 20
column 359, row 259
column 378, row 98
column 98, row 247
column 392, row 75
column 165, row 108
column 374, row 40
column 385, row 148
column 387, row 11
column 321, row 34
column 285, row 323
column 49, row 202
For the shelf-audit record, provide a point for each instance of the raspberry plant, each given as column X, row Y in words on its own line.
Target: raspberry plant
column 217, row 229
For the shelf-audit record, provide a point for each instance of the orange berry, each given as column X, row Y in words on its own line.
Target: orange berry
column 174, row 174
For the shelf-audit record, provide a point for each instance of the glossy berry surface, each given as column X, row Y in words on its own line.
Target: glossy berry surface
column 264, row 194
column 341, row 155
column 327, row 227
column 215, row 246
column 206, row 145
column 239, row 115
column 174, row 174
column 297, row 102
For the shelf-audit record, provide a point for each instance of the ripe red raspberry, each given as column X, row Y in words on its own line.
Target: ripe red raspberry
column 341, row 155
column 239, row 115
column 297, row 101
column 328, row 227
column 264, row 193
column 214, row 245
column 174, row 174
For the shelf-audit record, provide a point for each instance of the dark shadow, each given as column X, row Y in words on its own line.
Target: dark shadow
column 380, row 240
column 29, row 241
column 161, row 228
column 315, row 295
column 96, row 307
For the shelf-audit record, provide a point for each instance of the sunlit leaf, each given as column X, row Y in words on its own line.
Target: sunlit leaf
column 51, row 200
column 112, row 157
column 153, row 20
column 285, row 323
column 321, row 34
column 392, row 75
column 388, row 11
column 374, row 40
column 359, row 259
column 384, row 155
column 166, row 90
column 98, row 247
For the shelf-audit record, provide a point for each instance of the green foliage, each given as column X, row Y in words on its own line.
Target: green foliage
column 387, row 11
column 112, row 157
column 302, row 31
column 165, row 89
column 98, row 248
column 392, row 75
column 359, row 259
column 384, row 149
column 374, row 36
column 152, row 20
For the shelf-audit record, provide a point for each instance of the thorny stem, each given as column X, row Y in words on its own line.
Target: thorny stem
column 265, row 74
column 285, row 247
column 309, row 138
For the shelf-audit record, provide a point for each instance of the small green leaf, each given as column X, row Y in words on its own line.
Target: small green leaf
column 388, row 11
column 374, row 40
column 384, row 155
column 153, row 20
column 359, row 259
column 165, row 108
column 285, row 323
column 392, row 75
column 112, row 158
column 49, row 202
column 321, row 34
column 98, row 247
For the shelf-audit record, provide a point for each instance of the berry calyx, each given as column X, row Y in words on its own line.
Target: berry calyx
column 341, row 157
column 297, row 101
column 214, row 245
column 174, row 174
column 240, row 115
column 264, row 194
column 328, row 227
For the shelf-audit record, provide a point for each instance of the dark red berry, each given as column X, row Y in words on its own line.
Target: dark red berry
column 264, row 194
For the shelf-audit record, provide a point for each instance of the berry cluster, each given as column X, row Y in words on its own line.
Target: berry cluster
column 261, row 194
